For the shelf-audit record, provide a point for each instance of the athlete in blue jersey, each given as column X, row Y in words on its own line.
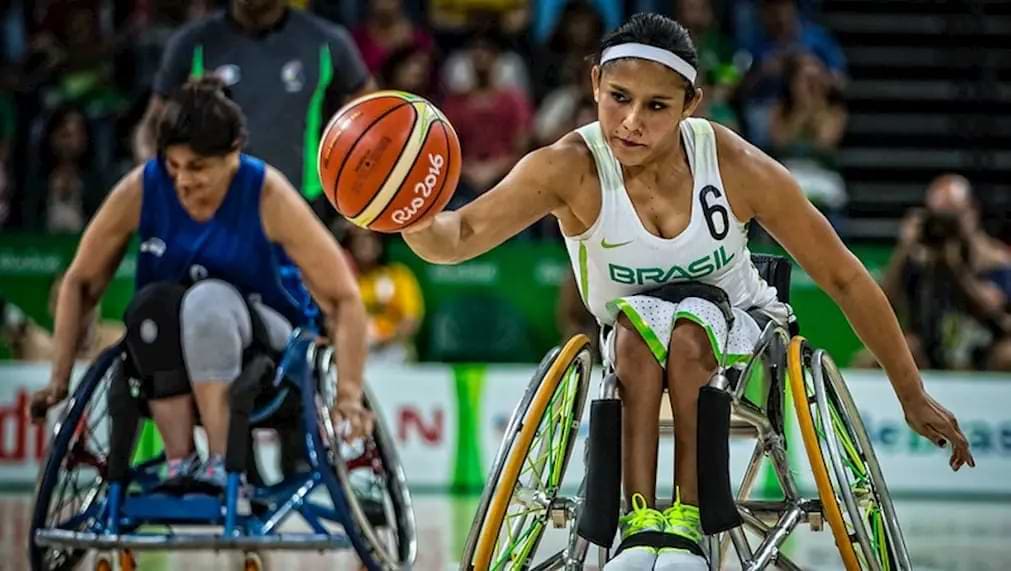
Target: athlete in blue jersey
column 235, row 232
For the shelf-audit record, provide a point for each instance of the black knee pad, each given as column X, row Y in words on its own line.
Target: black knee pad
column 154, row 339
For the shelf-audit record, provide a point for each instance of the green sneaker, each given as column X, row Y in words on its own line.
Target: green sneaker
column 683, row 521
column 642, row 519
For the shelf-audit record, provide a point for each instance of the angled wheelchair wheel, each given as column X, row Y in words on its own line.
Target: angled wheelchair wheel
column 854, row 496
column 531, row 462
column 380, row 517
column 72, row 488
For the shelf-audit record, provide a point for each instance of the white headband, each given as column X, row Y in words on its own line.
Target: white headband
column 652, row 53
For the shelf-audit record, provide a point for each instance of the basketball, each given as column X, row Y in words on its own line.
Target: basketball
column 388, row 160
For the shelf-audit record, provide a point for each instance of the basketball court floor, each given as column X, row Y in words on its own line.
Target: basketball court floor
column 942, row 535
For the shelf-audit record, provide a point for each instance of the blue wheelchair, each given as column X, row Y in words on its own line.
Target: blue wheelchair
column 91, row 496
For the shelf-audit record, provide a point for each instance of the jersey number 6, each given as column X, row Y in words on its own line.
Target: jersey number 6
column 714, row 212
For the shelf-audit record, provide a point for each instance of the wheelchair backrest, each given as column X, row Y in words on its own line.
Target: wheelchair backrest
column 775, row 270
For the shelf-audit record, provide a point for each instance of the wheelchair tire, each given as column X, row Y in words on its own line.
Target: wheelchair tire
column 380, row 545
column 559, row 384
column 854, row 496
column 60, row 471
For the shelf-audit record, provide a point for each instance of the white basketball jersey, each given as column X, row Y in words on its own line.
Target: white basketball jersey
column 618, row 257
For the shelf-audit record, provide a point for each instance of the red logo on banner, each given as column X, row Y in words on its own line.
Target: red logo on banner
column 410, row 418
column 14, row 431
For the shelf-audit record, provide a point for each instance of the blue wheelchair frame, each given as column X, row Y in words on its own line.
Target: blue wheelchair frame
column 112, row 521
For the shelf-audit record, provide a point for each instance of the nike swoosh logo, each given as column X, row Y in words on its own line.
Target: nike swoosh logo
column 606, row 246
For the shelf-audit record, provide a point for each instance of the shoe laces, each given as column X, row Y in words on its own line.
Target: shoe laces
column 683, row 519
column 642, row 516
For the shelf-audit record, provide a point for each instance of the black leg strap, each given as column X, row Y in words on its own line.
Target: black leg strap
column 660, row 540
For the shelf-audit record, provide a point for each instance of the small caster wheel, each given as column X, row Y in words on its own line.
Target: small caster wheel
column 252, row 562
column 127, row 561
column 104, row 562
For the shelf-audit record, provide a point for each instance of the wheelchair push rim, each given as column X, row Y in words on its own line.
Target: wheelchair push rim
column 528, row 471
column 384, row 497
column 80, row 441
column 852, row 489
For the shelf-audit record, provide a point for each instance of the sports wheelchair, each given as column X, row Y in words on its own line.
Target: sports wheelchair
column 748, row 399
column 90, row 495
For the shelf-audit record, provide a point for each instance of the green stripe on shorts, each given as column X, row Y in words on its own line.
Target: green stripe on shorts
column 657, row 347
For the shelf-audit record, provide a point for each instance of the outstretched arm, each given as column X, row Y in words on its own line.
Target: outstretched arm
column 531, row 190
column 772, row 196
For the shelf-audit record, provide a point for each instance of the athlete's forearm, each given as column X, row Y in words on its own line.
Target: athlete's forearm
column 349, row 324
column 874, row 321
column 440, row 242
column 73, row 309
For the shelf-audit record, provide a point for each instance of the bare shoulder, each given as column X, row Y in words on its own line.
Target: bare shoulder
column 566, row 165
column 125, row 198
column 277, row 188
column 748, row 173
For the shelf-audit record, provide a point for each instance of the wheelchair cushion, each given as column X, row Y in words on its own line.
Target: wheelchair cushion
column 775, row 270
column 679, row 291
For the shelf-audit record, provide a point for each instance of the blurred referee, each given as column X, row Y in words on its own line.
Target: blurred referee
column 287, row 69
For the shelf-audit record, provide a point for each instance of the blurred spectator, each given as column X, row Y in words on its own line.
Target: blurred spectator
column 289, row 70
column 391, row 295
column 939, row 279
column 449, row 16
column 561, row 61
column 67, row 188
column 718, row 75
column 566, row 108
column 508, row 68
column 410, row 69
column 75, row 41
column 549, row 14
column 784, row 32
column 387, row 28
column 7, row 127
column 806, row 126
column 156, row 25
column 29, row 341
column 493, row 121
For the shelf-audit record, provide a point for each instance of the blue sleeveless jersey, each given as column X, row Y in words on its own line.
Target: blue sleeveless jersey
column 231, row 246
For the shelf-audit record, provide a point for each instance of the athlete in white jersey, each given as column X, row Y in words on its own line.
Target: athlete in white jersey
column 649, row 196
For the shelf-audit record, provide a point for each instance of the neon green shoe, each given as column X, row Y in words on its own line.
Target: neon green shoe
column 636, row 550
column 682, row 520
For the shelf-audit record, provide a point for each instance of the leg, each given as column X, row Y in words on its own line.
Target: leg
column 215, row 330
column 174, row 418
column 690, row 363
column 641, row 388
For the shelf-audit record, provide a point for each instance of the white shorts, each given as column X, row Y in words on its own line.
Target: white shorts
column 654, row 320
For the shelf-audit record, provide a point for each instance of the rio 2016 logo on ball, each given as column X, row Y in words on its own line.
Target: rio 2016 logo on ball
column 389, row 160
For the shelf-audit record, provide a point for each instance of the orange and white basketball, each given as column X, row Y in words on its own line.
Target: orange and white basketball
column 388, row 160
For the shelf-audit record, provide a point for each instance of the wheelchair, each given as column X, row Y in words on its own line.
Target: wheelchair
column 91, row 496
column 746, row 399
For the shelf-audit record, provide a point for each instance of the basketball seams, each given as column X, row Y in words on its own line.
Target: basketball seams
column 351, row 149
column 389, row 173
column 414, row 146
column 434, row 198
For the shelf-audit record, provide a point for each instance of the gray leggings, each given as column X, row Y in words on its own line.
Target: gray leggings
column 216, row 329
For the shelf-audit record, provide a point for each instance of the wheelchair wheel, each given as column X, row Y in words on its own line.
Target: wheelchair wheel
column 528, row 471
column 867, row 532
column 71, row 491
column 371, row 480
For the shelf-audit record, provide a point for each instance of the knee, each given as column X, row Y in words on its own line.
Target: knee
column 632, row 355
column 212, row 307
column 689, row 346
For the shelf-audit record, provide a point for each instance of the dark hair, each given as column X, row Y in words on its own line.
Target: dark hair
column 657, row 31
column 57, row 118
column 201, row 115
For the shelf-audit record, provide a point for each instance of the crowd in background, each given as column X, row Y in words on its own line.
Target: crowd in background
column 78, row 77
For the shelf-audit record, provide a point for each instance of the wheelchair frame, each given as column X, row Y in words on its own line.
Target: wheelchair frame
column 826, row 408
column 112, row 512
